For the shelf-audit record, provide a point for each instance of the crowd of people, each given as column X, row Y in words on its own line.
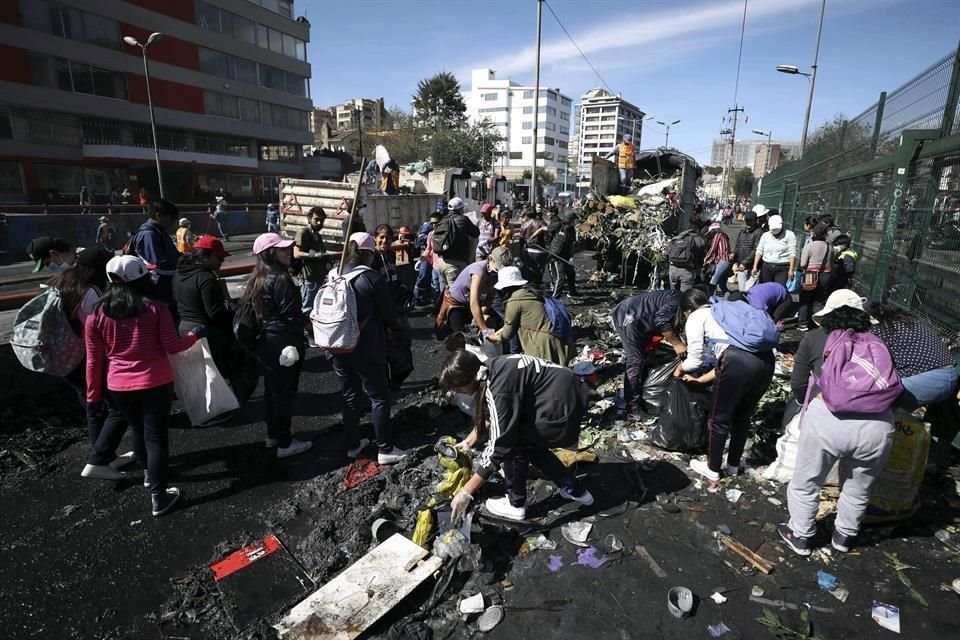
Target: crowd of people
column 490, row 280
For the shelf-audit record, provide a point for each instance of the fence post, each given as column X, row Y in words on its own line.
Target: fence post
column 875, row 139
column 953, row 95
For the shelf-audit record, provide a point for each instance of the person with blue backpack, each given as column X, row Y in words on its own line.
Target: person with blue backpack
column 848, row 383
column 731, row 345
column 542, row 323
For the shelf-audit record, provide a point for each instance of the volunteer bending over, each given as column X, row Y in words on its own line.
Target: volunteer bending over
column 532, row 406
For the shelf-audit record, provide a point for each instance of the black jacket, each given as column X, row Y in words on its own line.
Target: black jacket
column 746, row 247
column 375, row 313
column 201, row 298
column 647, row 313
column 464, row 230
column 809, row 359
column 530, row 403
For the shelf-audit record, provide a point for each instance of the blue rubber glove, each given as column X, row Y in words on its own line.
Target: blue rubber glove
column 200, row 331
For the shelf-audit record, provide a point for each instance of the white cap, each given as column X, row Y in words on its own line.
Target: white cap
column 126, row 268
column 760, row 210
column 840, row 298
column 775, row 222
column 455, row 203
column 509, row 277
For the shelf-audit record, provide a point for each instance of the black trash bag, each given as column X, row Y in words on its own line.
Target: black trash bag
column 399, row 353
column 683, row 421
column 656, row 385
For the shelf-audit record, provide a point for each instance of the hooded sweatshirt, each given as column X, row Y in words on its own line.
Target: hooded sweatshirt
column 526, row 317
column 200, row 297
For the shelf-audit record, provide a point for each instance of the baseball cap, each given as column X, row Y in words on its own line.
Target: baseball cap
column 39, row 249
column 501, row 257
column 211, row 243
column 127, row 268
column 454, row 204
column 750, row 215
column 775, row 223
column 486, row 208
column 364, row 241
column 840, row 298
column 268, row 241
column 760, row 210
column 93, row 257
column 184, row 222
column 627, row 138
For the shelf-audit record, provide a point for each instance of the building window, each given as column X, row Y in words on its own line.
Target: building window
column 528, row 95
column 279, row 152
column 526, row 140
column 516, row 155
column 549, row 126
column 59, row 178
column 592, row 128
column 494, row 110
column 213, row 18
column 221, row 104
column 527, row 125
column 101, row 131
column 563, row 144
column 489, row 97
column 609, row 110
column 296, row 85
column 545, row 155
column 592, row 110
column 67, row 22
column 249, row 110
column 11, row 177
column 565, row 102
column 527, row 111
column 6, row 126
column 244, row 30
column 77, row 77
column 608, row 118
column 547, row 110
column 548, row 141
column 272, row 78
column 565, row 116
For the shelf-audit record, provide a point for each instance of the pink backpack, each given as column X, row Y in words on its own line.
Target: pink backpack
column 858, row 375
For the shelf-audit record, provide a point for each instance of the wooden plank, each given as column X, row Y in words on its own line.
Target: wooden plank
column 349, row 604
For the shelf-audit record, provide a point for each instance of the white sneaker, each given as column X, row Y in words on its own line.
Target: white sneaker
column 146, row 479
column 700, row 466
column 730, row 470
column 357, row 450
column 270, row 443
column 102, row 472
column 502, row 508
column 123, row 460
column 394, row 455
column 296, row 448
column 585, row 498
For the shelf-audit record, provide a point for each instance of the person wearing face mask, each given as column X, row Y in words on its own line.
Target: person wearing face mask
column 778, row 249
column 55, row 254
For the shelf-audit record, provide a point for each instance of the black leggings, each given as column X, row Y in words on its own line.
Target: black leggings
column 148, row 412
column 775, row 273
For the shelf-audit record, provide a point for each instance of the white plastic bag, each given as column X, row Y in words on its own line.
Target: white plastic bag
column 201, row 388
column 752, row 280
column 781, row 469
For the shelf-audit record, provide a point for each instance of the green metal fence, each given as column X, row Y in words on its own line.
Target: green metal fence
column 891, row 178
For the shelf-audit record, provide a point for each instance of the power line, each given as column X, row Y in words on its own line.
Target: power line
column 743, row 30
column 577, row 47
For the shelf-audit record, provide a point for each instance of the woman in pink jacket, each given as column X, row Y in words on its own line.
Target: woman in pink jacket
column 131, row 335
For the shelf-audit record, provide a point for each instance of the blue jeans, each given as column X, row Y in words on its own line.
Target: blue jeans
column 423, row 290
column 720, row 275
column 626, row 178
column 308, row 292
column 929, row 387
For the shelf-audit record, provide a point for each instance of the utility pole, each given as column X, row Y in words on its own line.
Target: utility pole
column 735, row 110
column 536, row 109
column 813, row 81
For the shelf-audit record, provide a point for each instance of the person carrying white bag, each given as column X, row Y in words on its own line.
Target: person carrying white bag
column 202, row 390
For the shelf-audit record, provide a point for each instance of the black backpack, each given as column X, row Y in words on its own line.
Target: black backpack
column 682, row 250
column 247, row 325
column 445, row 236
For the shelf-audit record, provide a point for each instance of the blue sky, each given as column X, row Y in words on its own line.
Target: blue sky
column 675, row 59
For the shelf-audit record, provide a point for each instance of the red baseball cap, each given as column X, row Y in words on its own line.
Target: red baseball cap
column 211, row 243
column 486, row 208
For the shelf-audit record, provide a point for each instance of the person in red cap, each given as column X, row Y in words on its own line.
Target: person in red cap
column 276, row 299
column 202, row 299
column 489, row 232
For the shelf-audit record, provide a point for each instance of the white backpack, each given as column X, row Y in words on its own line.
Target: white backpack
column 43, row 339
column 334, row 315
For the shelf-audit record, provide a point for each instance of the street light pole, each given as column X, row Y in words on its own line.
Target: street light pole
column 536, row 109
column 813, row 81
column 153, row 123
column 666, row 142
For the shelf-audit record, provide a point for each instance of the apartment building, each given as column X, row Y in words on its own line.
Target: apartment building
column 509, row 106
column 745, row 152
column 604, row 119
column 229, row 82
column 372, row 114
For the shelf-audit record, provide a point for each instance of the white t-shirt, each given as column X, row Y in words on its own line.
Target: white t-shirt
column 701, row 326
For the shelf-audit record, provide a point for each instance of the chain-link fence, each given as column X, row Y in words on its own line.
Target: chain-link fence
column 890, row 177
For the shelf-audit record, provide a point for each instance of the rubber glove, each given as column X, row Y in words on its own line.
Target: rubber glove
column 459, row 505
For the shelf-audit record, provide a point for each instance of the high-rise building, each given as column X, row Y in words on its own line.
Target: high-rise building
column 745, row 152
column 604, row 119
column 509, row 106
column 373, row 114
column 228, row 81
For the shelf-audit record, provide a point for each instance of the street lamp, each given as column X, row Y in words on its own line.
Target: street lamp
column 769, row 134
column 666, row 142
column 791, row 69
column 130, row 40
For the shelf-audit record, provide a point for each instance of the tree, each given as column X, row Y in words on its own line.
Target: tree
column 714, row 171
column 544, row 177
column 438, row 103
column 743, row 182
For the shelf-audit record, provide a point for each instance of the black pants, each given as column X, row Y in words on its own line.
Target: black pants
column 635, row 357
column 744, row 378
column 148, row 412
column 566, row 277
column 812, row 302
column 280, row 384
column 358, row 374
column 111, row 419
column 517, row 465
column 775, row 273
